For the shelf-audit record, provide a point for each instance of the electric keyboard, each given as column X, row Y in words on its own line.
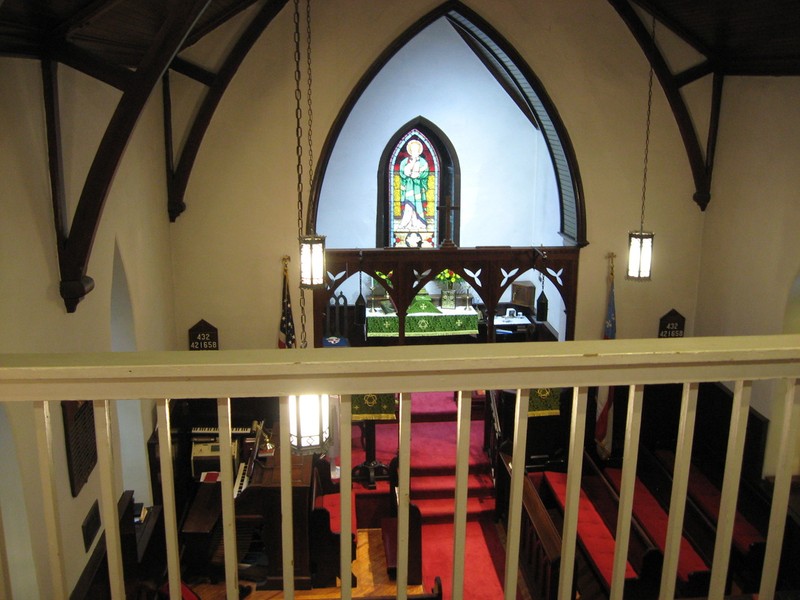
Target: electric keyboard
column 215, row 430
column 242, row 480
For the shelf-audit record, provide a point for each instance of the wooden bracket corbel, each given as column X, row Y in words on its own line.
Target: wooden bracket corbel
column 217, row 83
column 74, row 249
column 701, row 166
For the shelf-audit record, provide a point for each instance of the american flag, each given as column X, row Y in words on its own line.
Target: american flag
column 605, row 395
column 286, row 338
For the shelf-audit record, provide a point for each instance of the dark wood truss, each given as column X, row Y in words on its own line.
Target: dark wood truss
column 489, row 271
column 135, row 71
column 700, row 163
column 132, row 44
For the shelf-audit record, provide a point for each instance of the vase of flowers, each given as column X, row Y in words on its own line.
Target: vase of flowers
column 447, row 280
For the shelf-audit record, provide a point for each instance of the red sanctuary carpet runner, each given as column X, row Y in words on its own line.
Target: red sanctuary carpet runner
column 433, row 465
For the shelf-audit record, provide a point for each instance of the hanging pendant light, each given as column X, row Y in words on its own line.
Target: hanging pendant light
column 312, row 246
column 309, row 423
column 640, row 254
column 309, row 414
column 640, row 243
column 312, row 261
column 541, row 302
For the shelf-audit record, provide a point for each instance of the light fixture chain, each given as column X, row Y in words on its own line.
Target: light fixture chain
column 647, row 130
column 308, row 96
column 299, row 134
column 298, row 118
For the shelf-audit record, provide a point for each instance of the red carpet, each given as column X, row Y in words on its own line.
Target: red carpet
column 483, row 565
column 433, row 465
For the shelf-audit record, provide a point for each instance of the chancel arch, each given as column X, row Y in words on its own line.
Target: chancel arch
column 518, row 184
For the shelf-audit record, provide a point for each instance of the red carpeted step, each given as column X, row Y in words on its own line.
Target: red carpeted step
column 440, row 510
column 433, row 406
column 479, row 485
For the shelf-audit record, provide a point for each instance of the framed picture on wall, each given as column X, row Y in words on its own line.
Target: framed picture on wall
column 80, row 441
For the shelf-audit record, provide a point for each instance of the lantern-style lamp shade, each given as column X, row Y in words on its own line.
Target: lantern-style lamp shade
column 309, row 423
column 312, row 261
column 640, row 254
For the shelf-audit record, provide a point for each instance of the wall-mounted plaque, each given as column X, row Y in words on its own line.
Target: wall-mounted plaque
column 203, row 336
column 671, row 325
column 80, row 440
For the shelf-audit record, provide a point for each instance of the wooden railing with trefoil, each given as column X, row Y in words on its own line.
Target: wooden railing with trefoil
column 42, row 379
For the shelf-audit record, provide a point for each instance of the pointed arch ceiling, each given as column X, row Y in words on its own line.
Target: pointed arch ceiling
column 520, row 83
column 130, row 44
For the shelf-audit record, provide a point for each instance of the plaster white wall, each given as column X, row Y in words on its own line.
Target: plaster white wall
column 31, row 310
column 242, row 218
column 508, row 192
column 751, row 256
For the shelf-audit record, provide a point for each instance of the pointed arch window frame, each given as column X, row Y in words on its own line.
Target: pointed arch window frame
column 448, row 181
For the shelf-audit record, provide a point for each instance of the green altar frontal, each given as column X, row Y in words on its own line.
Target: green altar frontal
column 458, row 321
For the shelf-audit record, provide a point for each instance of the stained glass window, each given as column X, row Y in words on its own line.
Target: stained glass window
column 414, row 180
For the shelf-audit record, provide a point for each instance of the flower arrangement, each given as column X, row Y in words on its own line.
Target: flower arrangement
column 449, row 277
column 387, row 277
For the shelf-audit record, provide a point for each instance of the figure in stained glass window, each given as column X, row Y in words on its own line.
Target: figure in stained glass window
column 413, row 187
column 414, row 183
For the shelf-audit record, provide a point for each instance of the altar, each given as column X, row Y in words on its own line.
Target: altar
column 462, row 320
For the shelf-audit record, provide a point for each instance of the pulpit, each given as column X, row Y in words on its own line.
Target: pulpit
column 367, row 410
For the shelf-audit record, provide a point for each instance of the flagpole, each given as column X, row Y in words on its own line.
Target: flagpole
column 605, row 394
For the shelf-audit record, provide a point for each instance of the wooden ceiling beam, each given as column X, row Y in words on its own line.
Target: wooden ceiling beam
column 193, row 71
column 93, row 66
column 222, row 17
column 700, row 165
column 179, row 178
column 75, row 253
column 83, row 17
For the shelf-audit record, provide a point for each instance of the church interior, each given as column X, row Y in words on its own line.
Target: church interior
column 472, row 172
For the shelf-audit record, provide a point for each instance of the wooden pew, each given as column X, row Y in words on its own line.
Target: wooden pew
column 389, row 533
column 540, row 541
column 693, row 574
column 595, row 538
column 325, row 526
column 748, row 545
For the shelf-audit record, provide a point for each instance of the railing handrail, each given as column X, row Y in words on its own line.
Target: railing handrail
column 247, row 373
column 40, row 378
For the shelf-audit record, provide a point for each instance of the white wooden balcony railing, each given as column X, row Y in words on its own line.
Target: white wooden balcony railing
column 106, row 377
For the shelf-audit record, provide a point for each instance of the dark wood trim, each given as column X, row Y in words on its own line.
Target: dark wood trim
column 169, row 148
column 55, row 150
column 193, row 71
column 75, row 284
column 234, row 9
column 82, row 17
column 93, row 66
column 559, row 265
column 713, row 126
column 513, row 91
column 180, row 177
column 697, row 162
column 694, row 73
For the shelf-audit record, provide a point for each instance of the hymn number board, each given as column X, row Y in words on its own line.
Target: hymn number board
column 203, row 336
column 671, row 325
